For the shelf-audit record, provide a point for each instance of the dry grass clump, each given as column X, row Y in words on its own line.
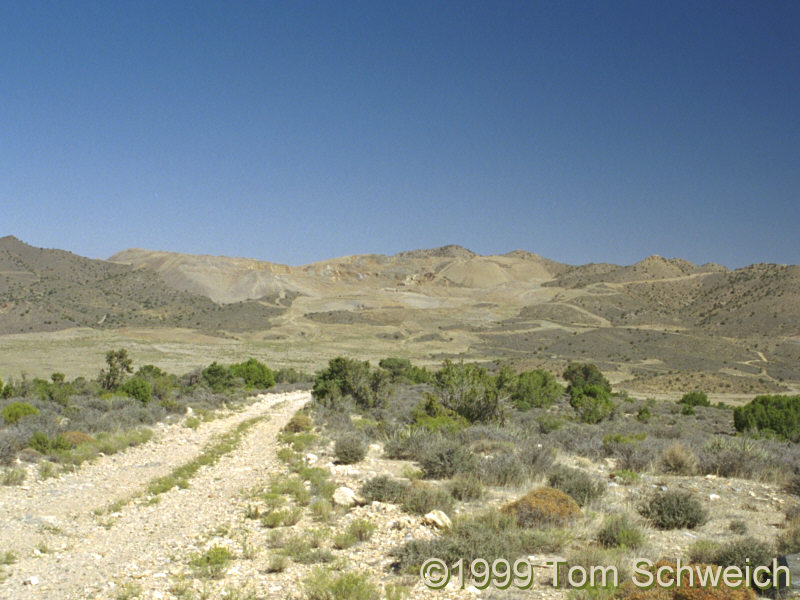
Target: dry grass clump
column 543, row 506
column 298, row 423
column 75, row 438
column 677, row 459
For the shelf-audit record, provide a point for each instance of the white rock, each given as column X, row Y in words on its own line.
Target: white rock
column 32, row 580
column 438, row 519
column 311, row 458
column 713, row 496
column 344, row 496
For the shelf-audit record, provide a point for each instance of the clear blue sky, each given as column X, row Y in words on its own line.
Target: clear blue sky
column 295, row 131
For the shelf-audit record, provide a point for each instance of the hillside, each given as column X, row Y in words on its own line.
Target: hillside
column 660, row 324
column 49, row 290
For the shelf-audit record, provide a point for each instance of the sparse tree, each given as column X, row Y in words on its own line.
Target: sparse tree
column 119, row 363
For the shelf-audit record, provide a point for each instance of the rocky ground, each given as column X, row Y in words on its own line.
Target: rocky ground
column 71, row 542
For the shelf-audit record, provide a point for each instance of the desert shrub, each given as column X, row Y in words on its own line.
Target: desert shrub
column 213, row 562
column 14, row 411
column 589, row 557
column 744, row 552
column 446, row 458
column 674, row 510
column 581, row 486
column 489, row 534
column 626, row 477
column 350, row 449
column 618, row 530
column 644, row 414
column 13, row 476
column 254, row 373
column 703, row 551
column 535, row 388
column 738, row 527
column 411, row 443
column 733, row 457
column 778, row 415
column 137, row 388
column 321, row 509
column 298, row 423
column 422, row 498
column 543, row 506
column 217, row 376
column 677, row 459
column 593, row 403
column 468, row 390
column 504, row 470
column 325, row 585
column 695, row 399
column 291, row 375
column 361, row 529
column 384, row 489
column 788, row 541
column 465, row 488
column 536, row 456
column 579, row 375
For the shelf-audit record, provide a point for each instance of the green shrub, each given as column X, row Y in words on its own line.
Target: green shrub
column 254, row 373
column 674, row 510
column 619, row 531
column 431, row 415
column 212, row 563
column 401, row 369
column 350, row 449
column 695, row 399
column 324, row 585
column 582, row 487
column 580, row 375
column 384, row 489
column 361, row 529
column 779, row 415
column 468, row 390
column 217, row 376
column 541, row 507
column 16, row 410
column 592, row 402
column 535, row 389
column 348, row 377
column 644, row 415
column 137, row 388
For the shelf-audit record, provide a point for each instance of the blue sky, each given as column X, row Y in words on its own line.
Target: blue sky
column 299, row 131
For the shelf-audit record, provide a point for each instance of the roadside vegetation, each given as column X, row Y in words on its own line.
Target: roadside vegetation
column 472, row 429
column 68, row 422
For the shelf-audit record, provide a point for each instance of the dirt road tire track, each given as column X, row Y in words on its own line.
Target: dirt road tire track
column 145, row 540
